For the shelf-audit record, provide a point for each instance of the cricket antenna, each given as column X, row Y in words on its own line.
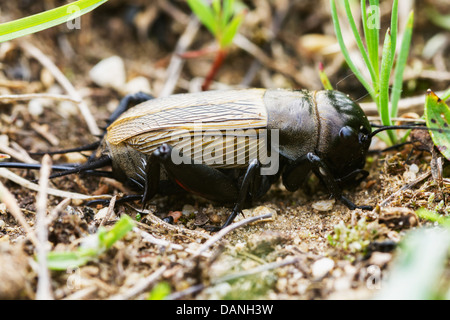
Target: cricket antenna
column 92, row 146
column 384, row 128
column 103, row 161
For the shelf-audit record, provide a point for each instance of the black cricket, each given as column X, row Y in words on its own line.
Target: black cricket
column 321, row 132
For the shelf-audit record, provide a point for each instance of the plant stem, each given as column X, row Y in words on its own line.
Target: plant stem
column 220, row 57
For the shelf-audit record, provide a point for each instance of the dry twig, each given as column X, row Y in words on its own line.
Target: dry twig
column 43, row 286
column 65, row 83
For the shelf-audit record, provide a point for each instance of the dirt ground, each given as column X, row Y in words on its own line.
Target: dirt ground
column 311, row 247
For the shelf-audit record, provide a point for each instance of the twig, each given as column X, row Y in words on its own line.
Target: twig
column 219, row 235
column 157, row 221
column 56, row 210
column 159, row 242
column 8, row 199
column 163, row 243
column 176, row 62
column 140, row 286
column 108, row 214
column 43, row 285
column 22, row 157
column 65, row 83
column 259, row 269
column 30, row 96
column 405, row 187
column 7, row 174
column 411, row 104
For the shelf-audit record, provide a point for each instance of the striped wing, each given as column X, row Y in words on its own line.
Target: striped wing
column 219, row 128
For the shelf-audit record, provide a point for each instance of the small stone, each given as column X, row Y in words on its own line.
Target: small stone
column 258, row 211
column 323, row 205
column 188, row 210
column 321, row 267
column 414, row 168
column 36, row 107
column 138, row 84
column 380, row 258
column 109, row 73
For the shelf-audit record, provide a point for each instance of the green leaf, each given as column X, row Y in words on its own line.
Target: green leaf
column 433, row 217
column 394, row 26
column 400, row 66
column 373, row 33
column 359, row 43
column 437, row 116
column 324, row 78
column 72, row 259
column 346, row 54
column 386, row 66
column 231, row 30
column 120, row 228
column 204, row 13
column 160, row 291
column 68, row 259
column 44, row 20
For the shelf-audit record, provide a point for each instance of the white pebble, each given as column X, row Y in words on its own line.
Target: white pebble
column 321, row 267
column 35, row 107
column 110, row 73
column 138, row 84
column 414, row 168
column 323, row 205
column 187, row 210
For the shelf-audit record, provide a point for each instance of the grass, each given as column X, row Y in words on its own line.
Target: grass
column 92, row 247
column 222, row 19
column 47, row 19
column 379, row 68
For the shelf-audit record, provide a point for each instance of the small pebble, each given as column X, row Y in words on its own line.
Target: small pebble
column 36, row 107
column 323, row 205
column 188, row 210
column 321, row 267
column 138, row 84
column 109, row 73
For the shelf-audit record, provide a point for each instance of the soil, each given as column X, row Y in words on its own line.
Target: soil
column 311, row 248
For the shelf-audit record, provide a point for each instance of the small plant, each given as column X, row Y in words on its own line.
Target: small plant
column 353, row 238
column 91, row 248
column 47, row 19
column 380, row 71
column 222, row 19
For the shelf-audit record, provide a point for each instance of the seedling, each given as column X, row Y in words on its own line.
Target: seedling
column 47, row 19
column 93, row 246
column 380, row 71
column 222, row 19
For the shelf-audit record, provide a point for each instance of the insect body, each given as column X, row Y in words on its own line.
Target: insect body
column 231, row 146
column 323, row 132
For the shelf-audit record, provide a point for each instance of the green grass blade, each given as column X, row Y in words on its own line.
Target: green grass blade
column 394, row 26
column 324, row 78
column 373, row 34
column 21, row 27
column 433, row 217
column 446, row 95
column 400, row 66
column 120, row 228
column 386, row 66
column 337, row 29
column 230, row 30
column 360, row 43
column 204, row 13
